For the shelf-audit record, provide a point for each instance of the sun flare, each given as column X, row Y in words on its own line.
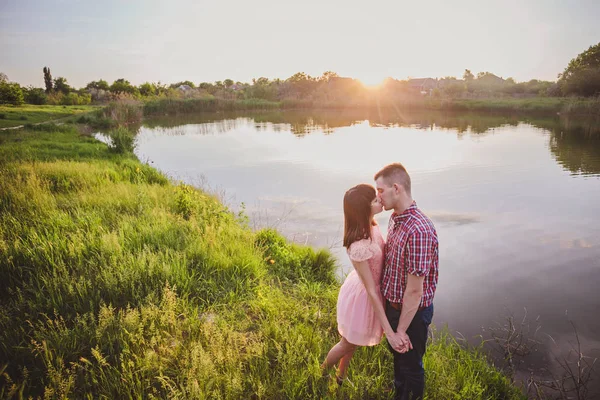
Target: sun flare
column 371, row 81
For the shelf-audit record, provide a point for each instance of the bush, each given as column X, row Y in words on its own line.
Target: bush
column 35, row 96
column 69, row 99
column 184, row 202
column 74, row 99
column 11, row 93
column 54, row 98
column 292, row 262
column 123, row 113
column 123, row 141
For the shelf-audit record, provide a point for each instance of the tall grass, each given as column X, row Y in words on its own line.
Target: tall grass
column 536, row 105
column 167, row 106
column 578, row 106
column 116, row 283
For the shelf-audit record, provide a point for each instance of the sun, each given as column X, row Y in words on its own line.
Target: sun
column 371, row 81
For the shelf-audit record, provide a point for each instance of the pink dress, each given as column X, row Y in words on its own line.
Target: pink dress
column 356, row 317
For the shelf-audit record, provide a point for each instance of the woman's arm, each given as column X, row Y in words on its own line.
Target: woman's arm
column 364, row 272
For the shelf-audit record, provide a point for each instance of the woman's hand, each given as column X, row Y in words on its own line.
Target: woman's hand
column 400, row 342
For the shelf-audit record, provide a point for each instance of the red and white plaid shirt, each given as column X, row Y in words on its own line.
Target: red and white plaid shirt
column 411, row 248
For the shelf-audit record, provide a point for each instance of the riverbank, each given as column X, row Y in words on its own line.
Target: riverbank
column 536, row 105
column 116, row 282
column 99, row 115
column 11, row 116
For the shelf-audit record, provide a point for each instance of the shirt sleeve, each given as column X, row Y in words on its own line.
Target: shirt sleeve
column 419, row 253
column 360, row 251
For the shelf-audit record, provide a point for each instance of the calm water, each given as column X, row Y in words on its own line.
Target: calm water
column 516, row 201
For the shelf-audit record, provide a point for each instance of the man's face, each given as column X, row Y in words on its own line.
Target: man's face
column 386, row 193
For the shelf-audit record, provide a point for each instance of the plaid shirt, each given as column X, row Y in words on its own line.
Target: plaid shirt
column 411, row 248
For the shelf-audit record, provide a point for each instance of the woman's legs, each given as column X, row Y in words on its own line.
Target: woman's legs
column 341, row 352
column 344, row 362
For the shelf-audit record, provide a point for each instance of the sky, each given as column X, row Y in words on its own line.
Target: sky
column 206, row 41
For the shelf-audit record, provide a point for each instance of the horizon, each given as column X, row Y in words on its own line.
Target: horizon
column 149, row 41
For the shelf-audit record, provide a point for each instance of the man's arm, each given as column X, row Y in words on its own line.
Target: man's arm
column 418, row 259
column 410, row 301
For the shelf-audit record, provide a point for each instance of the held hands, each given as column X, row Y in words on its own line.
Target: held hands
column 400, row 342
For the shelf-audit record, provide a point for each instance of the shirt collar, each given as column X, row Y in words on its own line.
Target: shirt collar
column 397, row 218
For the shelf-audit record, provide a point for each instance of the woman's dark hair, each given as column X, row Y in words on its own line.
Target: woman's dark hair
column 357, row 213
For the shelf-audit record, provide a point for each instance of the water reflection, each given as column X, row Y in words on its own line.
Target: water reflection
column 575, row 141
column 576, row 145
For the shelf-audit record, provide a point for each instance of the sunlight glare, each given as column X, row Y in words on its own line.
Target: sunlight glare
column 371, row 81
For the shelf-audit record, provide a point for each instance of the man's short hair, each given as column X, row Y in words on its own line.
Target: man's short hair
column 395, row 173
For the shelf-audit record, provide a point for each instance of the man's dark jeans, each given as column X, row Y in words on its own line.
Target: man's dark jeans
column 409, row 375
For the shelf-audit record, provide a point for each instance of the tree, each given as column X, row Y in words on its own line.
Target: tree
column 209, row 87
column 327, row 75
column 260, row 81
column 261, row 88
column 123, row 86
column 147, row 89
column 582, row 74
column 228, row 83
column 300, row 84
column 468, row 75
column 453, row 87
column 11, row 93
column 3, row 77
column 35, row 95
column 188, row 83
column 299, row 77
column 61, row 85
column 47, row 79
column 101, row 85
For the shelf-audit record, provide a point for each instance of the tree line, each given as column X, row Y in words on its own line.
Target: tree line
column 581, row 77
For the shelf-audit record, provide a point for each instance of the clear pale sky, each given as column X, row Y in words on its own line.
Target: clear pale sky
column 170, row 41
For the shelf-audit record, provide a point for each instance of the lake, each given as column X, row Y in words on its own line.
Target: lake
column 515, row 200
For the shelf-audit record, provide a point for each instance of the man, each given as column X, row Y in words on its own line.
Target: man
column 409, row 277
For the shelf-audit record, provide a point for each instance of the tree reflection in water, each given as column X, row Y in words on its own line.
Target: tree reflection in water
column 574, row 141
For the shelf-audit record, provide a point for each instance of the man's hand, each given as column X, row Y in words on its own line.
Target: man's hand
column 400, row 342
column 407, row 343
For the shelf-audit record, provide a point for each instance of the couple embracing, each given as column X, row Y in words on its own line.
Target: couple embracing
column 392, row 286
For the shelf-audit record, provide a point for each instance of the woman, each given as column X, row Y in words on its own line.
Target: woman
column 360, row 314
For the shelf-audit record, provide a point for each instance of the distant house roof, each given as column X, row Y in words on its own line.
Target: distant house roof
column 184, row 88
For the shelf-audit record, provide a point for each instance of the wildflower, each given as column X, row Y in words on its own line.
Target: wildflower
column 272, row 261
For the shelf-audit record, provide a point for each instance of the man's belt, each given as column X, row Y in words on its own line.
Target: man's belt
column 398, row 306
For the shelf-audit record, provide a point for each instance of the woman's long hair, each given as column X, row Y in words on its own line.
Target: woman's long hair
column 357, row 213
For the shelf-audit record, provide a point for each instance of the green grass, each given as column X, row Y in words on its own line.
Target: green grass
column 31, row 114
column 117, row 283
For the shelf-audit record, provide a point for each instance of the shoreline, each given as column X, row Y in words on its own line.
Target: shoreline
column 539, row 105
column 27, row 115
